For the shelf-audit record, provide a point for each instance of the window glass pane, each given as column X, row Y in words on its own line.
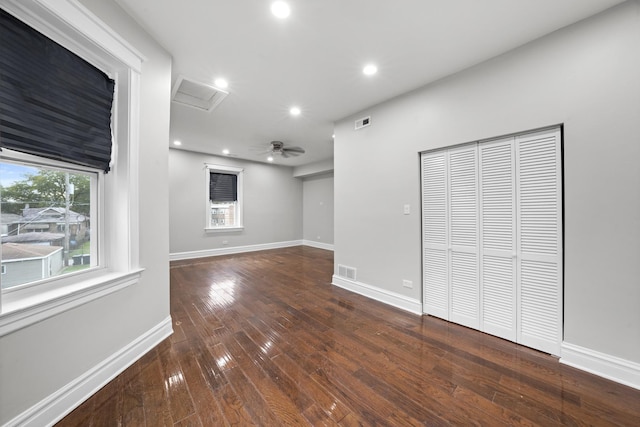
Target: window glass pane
column 223, row 214
column 46, row 222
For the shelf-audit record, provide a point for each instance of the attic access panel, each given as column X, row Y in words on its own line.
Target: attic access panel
column 196, row 95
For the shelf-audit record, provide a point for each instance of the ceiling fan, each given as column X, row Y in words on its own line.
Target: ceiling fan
column 278, row 147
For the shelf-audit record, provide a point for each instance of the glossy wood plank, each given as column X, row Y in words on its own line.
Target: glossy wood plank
column 154, row 396
column 265, row 339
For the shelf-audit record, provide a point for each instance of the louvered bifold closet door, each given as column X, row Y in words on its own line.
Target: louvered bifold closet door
column 435, row 234
column 498, row 237
column 539, row 246
column 463, row 241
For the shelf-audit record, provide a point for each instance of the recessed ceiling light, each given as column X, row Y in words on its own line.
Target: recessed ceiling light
column 225, row 151
column 295, row 111
column 270, row 159
column 333, row 136
column 370, row 69
column 221, row 83
column 280, row 9
column 176, row 142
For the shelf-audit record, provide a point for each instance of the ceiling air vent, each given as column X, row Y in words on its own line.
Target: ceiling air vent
column 363, row 122
column 197, row 95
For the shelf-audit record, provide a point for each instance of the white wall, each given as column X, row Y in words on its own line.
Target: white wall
column 316, row 168
column 317, row 210
column 272, row 205
column 39, row 360
column 585, row 76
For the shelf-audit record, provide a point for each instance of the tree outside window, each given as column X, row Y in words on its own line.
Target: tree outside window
column 46, row 222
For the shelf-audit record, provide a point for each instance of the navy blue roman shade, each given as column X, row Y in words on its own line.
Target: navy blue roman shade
column 223, row 187
column 53, row 103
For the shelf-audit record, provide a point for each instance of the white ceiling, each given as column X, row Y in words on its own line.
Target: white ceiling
column 314, row 59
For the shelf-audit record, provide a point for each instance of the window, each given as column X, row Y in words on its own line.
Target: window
column 111, row 225
column 47, row 215
column 224, row 198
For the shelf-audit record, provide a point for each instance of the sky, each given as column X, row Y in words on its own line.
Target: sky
column 10, row 173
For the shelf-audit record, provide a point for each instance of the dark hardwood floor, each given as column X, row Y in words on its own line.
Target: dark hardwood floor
column 265, row 339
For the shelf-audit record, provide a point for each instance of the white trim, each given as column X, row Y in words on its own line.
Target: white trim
column 319, row 245
column 22, row 312
column 133, row 160
column 58, row 404
column 610, row 367
column 239, row 214
column 78, row 16
column 223, row 229
column 392, row 298
column 177, row 256
column 223, row 168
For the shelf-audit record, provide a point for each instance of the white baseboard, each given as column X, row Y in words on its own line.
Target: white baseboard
column 54, row 407
column 607, row 366
column 319, row 245
column 177, row 256
column 387, row 297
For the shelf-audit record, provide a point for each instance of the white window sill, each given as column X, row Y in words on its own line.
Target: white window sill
column 222, row 229
column 21, row 312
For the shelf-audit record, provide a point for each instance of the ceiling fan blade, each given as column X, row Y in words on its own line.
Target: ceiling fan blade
column 299, row 150
column 291, row 153
column 284, row 154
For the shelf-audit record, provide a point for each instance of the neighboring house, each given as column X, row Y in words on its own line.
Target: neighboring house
column 23, row 263
column 222, row 214
column 34, row 238
column 52, row 220
column 8, row 223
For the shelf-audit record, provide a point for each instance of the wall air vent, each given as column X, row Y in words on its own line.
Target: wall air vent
column 197, row 95
column 345, row 272
column 363, row 122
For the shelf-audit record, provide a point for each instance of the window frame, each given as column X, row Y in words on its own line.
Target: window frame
column 97, row 230
column 70, row 24
column 239, row 172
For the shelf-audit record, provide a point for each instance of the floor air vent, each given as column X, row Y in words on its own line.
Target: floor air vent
column 197, row 95
column 346, row 272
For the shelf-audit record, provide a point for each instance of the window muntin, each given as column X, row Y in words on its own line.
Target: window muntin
column 224, row 198
column 48, row 221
